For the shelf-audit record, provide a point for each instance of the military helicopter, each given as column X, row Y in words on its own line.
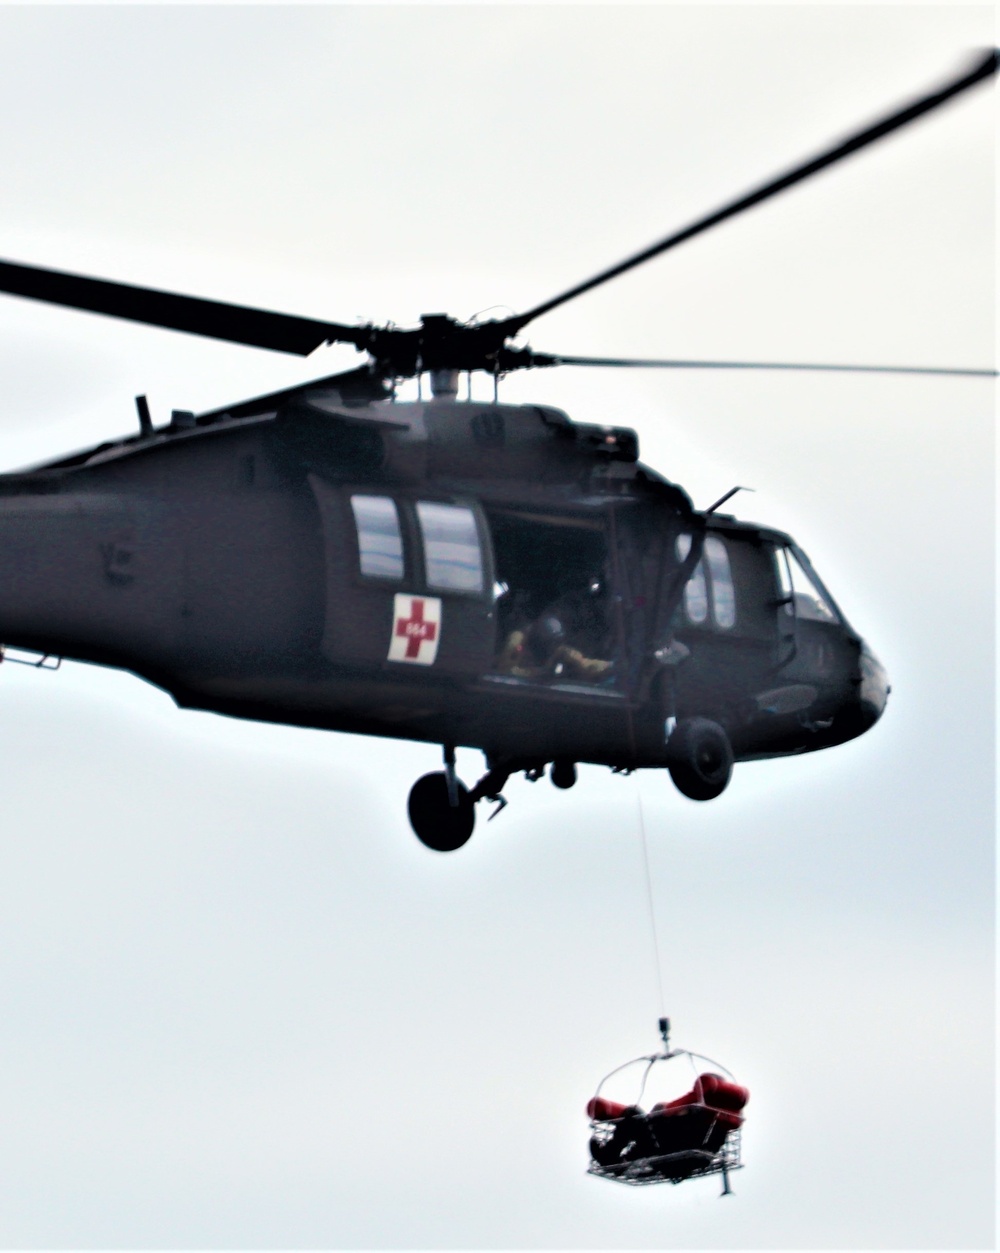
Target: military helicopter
column 455, row 572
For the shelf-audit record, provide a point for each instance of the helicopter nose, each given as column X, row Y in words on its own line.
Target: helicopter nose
column 875, row 687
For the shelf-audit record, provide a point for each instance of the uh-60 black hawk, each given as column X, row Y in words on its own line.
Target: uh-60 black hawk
column 463, row 573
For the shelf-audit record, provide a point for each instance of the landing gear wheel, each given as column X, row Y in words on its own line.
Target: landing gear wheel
column 437, row 823
column 563, row 773
column 700, row 758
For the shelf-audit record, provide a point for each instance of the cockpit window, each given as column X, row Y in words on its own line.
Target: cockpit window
column 453, row 557
column 712, row 588
column 721, row 577
column 380, row 545
column 811, row 604
column 784, row 581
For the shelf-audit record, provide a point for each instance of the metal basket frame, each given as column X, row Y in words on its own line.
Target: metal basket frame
column 648, row 1170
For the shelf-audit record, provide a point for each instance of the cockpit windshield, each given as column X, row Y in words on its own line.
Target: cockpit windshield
column 803, row 596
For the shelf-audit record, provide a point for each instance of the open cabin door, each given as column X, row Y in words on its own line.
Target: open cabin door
column 557, row 681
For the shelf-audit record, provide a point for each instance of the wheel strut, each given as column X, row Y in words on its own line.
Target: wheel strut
column 451, row 779
column 491, row 785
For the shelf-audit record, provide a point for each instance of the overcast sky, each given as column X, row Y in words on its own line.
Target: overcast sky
column 240, row 1005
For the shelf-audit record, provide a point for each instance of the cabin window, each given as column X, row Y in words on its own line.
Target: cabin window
column 710, row 585
column 453, row 556
column 380, row 544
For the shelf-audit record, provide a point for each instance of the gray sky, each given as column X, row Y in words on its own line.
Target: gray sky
column 240, row 1005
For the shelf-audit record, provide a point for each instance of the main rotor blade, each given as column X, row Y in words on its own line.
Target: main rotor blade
column 983, row 68
column 648, row 363
column 259, row 328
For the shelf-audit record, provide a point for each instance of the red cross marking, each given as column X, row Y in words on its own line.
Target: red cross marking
column 415, row 629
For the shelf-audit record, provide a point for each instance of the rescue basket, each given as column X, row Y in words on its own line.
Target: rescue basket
column 696, row 1133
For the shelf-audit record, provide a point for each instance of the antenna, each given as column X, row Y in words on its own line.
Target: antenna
column 145, row 421
column 722, row 499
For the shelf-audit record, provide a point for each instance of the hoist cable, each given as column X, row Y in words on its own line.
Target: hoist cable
column 649, row 900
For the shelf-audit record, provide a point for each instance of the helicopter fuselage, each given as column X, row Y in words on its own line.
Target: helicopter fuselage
column 392, row 569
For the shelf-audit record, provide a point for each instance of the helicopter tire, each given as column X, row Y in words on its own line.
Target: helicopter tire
column 563, row 773
column 700, row 758
column 437, row 823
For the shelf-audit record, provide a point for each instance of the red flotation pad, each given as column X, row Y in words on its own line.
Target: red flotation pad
column 689, row 1098
column 714, row 1092
column 710, row 1090
column 719, row 1093
column 602, row 1110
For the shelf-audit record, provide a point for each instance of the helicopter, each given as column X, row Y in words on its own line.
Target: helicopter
column 460, row 573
